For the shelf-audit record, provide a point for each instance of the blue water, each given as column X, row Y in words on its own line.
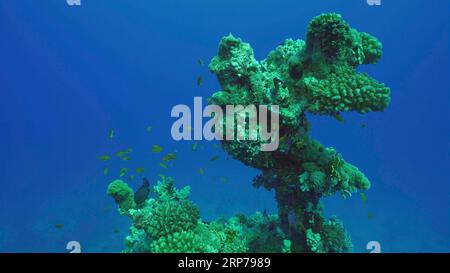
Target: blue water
column 69, row 74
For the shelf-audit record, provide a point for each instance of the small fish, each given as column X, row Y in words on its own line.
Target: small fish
column 156, row 149
column 124, row 152
column 200, row 62
column 107, row 209
column 149, row 129
column 302, row 227
column 214, row 158
column 104, row 158
column 105, row 171
column 131, row 177
column 363, row 197
column 163, row 165
column 142, row 193
column 223, row 179
column 339, row 118
column 199, row 80
column 111, row 133
column 370, row 216
column 194, row 146
column 169, row 156
column 140, row 170
column 363, row 125
column 126, row 158
column 116, row 230
column 201, row 171
column 123, row 172
column 59, row 226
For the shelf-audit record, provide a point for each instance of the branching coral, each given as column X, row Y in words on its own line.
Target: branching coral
column 319, row 77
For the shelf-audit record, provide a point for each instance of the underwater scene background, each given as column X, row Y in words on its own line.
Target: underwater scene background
column 80, row 82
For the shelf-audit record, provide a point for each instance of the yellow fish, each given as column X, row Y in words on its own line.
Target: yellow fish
column 149, row 129
column 157, row 148
column 111, row 133
column 123, row 172
column 199, row 80
column 363, row 197
column 104, row 158
column 124, row 152
column 169, row 156
column 214, row 158
column 201, row 171
column 105, row 171
column 339, row 118
column 223, row 179
column 163, row 165
column 140, row 170
column 194, row 146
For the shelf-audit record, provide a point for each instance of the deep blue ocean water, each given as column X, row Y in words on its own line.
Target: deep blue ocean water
column 69, row 74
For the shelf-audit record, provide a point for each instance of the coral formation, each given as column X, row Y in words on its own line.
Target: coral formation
column 170, row 222
column 316, row 76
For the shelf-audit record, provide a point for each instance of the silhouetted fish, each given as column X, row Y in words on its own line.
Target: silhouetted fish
column 142, row 193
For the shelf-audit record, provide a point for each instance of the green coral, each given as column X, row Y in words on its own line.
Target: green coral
column 170, row 222
column 123, row 195
column 316, row 76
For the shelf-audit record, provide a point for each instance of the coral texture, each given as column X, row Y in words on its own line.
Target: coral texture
column 319, row 77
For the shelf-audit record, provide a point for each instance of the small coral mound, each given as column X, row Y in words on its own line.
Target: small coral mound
column 170, row 223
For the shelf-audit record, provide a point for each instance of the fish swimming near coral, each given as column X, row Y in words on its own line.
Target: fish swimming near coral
column 223, row 179
column 200, row 81
column 169, row 156
column 123, row 172
column 104, row 157
column 156, row 149
column 59, row 226
column 140, row 170
column 339, row 118
column 142, row 193
column 363, row 197
column 124, row 152
column 194, row 146
column 111, row 134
